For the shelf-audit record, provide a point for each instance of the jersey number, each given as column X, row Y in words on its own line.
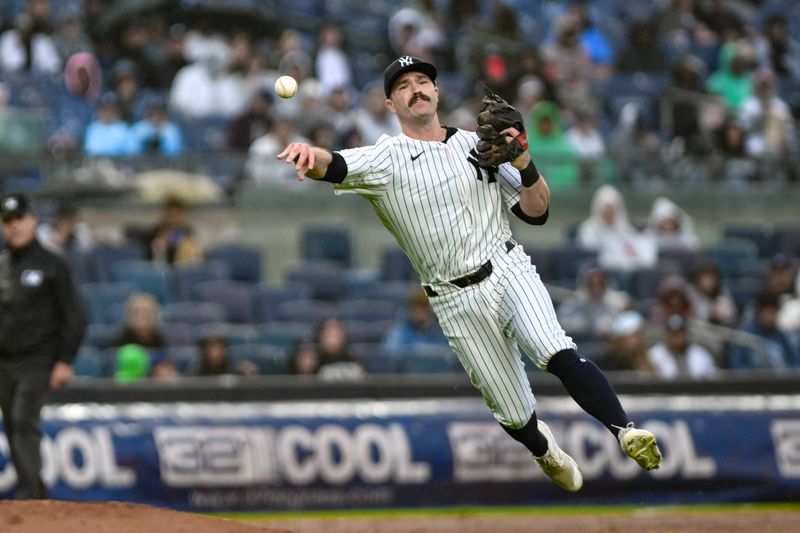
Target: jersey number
column 490, row 173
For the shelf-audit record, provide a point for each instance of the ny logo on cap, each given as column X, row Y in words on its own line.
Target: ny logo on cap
column 405, row 61
column 10, row 204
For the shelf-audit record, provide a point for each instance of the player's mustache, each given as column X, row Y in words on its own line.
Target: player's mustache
column 418, row 96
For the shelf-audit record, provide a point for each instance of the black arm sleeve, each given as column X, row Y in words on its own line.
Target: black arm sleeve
column 70, row 303
column 533, row 221
column 337, row 170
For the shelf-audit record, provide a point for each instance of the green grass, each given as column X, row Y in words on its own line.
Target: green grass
column 509, row 511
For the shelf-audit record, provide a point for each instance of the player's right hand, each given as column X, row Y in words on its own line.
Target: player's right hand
column 301, row 155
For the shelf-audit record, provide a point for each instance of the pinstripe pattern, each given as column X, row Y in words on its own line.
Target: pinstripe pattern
column 450, row 219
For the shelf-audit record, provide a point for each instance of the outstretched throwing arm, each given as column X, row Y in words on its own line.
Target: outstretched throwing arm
column 310, row 161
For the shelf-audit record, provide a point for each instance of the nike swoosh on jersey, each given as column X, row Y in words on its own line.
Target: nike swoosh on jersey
column 415, row 157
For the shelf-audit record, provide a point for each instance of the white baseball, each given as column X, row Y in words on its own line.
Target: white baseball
column 285, row 86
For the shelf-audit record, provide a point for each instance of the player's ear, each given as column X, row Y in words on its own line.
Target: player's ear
column 390, row 106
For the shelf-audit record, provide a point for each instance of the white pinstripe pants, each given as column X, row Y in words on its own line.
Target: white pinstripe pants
column 488, row 322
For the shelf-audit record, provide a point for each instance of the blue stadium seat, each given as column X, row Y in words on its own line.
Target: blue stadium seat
column 101, row 296
column 89, row 363
column 184, row 358
column 396, row 291
column 244, row 262
column 366, row 331
column 786, row 240
column 731, row 255
column 186, row 277
column 760, row 235
column 283, row 335
column 236, row 297
column 568, row 261
column 105, row 255
column 679, row 260
column 325, row 280
column 367, row 310
column 267, row 358
column 311, row 312
column 395, row 265
column 645, row 282
column 100, row 335
column 232, row 334
column 148, row 277
column 430, row 360
column 177, row 334
column 195, row 313
column 375, row 359
column 326, row 244
column 269, row 297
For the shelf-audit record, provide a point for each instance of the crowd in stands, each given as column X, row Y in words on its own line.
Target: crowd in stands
column 676, row 89
column 612, row 92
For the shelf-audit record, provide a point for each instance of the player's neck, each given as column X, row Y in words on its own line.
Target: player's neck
column 431, row 130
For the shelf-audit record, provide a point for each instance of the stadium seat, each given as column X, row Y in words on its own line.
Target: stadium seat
column 101, row 296
column 195, row 313
column 105, row 255
column 326, row 244
column 269, row 297
column 267, row 358
column 366, row 331
column 731, row 255
column 311, row 312
column 786, row 240
column 325, row 280
column 367, row 310
column 395, row 265
column 186, row 277
column 396, row 291
column 89, row 363
column 236, row 297
column 679, row 260
column 232, row 334
column 148, row 277
column 567, row 261
column 184, row 358
column 177, row 334
column 283, row 335
column 430, row 360
column 244, row 262
column 645, row 282
column 760, row 235
column 100, row 335
column 375, row 359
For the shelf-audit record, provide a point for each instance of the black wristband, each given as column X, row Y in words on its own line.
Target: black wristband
column 529, row 175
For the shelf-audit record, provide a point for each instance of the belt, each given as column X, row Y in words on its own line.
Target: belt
column 483, row 272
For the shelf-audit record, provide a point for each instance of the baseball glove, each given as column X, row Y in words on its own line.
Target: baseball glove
column 495, row 116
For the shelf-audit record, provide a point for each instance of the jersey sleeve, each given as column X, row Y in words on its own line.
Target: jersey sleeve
column 510, row 184
column 369, row 169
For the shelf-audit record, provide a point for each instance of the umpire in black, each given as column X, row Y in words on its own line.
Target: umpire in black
column 42, row 324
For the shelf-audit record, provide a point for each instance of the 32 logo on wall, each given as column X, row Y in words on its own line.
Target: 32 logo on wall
column 786, row 438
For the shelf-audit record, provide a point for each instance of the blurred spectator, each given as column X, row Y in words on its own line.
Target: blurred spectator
column 141, row 327
column 204, row 89
column 593, row 306
column 133, row 47
column 107, row 135
column 172, row 58
column 767, row 119
column 780, row 349
column 337, row 363
column 677, row 357
column 303, row 360
column 671, row 227
column 643, row 52
column 172, row 240
column 324, row 135
column 681, row 27
column 332, row 64
column 592, row 39
column 419, row 327
column 673, row 299
column 789, row 314
column 619, row 246
column 570, row 67
column 373, row 118
column 733, row 79
column 530, row 65
column 127, row 90
column 132, row 363
column 686, row 100
column 729, row 161
column 41, row 14
column 82, row 76
column 156, row 133
column 23, row 48
column 203, row 41
column 555, row 157
column 414, row 30
column 710, row 300
column 262, row 166
column 255, row 122
column 636, row 146
column 628, row 349
column 66, row 233
column 777, row 49
column 69, row 38
column 214, row 359
column 722, row 19
column 339, row 109
column 586, row 137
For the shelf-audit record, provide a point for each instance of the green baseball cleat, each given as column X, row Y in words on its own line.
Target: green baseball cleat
column 640, row 445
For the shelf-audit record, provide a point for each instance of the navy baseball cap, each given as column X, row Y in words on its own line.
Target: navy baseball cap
column 14, row 206
column 402, row 65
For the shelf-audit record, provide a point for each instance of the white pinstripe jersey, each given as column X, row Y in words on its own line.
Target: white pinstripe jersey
column 447, row 214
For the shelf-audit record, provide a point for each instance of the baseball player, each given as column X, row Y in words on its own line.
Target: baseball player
column 443, row 194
